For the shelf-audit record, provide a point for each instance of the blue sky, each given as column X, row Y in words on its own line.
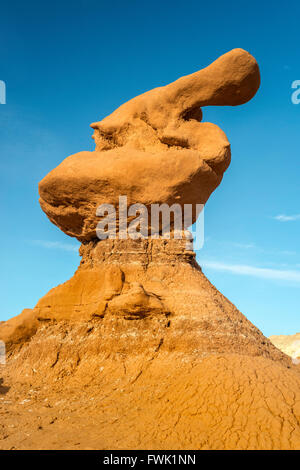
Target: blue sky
column 67, row 64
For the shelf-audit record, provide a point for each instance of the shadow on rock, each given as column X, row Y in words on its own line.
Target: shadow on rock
column 3, row 388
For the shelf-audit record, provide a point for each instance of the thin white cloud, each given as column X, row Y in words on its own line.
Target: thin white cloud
column 253, row 246
column 244, row 246
column 262, row 273
column 287, row 218
column 56, row 245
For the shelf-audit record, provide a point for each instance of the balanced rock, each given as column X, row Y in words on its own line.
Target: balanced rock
column 153, row 149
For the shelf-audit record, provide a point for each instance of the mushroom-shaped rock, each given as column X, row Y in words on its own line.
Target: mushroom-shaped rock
column 152, row 149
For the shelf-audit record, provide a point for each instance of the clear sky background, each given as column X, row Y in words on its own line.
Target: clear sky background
column 67, row 64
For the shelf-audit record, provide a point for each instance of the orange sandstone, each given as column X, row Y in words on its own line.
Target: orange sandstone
column 153, row 149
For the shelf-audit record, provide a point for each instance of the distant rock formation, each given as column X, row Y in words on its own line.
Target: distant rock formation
column 289, row 344
column 138, row 350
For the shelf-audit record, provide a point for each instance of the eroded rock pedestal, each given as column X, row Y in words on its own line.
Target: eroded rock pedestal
column 139, row 351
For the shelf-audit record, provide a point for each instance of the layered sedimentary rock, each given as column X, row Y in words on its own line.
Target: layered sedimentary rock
column 138, row 349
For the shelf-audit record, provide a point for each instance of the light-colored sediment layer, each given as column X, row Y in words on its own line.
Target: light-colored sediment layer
column 289, row 344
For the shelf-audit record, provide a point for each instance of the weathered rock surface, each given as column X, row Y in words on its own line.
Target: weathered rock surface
column 18, row 329
column 153, row 149
column 138, row 350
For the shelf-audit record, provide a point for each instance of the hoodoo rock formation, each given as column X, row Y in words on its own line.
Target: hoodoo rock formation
column 153, row 149
column 138, row 350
